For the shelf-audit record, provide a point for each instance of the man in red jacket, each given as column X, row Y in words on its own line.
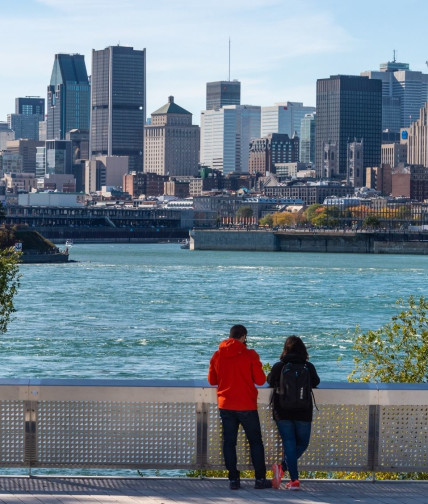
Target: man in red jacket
column 236, row 371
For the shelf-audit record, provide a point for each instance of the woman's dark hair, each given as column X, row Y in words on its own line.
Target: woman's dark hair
column 294, row 345
column 237, row 331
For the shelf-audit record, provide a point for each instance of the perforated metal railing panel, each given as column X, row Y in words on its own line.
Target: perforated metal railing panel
column 12, row 433
column 403, row 438
column 114, row 434
column 339, row 439
column 138, row 424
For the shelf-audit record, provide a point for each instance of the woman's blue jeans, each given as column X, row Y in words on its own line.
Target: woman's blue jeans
column 295, row 435
column 231, row 419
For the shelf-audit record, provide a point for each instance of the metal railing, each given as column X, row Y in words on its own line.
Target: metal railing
column 163, row 425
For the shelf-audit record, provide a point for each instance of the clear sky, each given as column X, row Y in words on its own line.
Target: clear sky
column 279, row 48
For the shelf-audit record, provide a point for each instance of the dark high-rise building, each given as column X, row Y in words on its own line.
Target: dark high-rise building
column 68, row 96
column 223, row 93
column 118, row 104
column 349, row 108
column 30, row 105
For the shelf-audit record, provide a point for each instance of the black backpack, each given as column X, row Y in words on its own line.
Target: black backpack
column 295, row 390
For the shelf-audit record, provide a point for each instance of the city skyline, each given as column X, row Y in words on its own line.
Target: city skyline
column 278, row 49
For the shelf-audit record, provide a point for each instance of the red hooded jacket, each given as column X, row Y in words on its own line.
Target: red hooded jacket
column 236, row 371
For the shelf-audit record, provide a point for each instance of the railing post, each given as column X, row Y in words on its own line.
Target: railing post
column 30, row 436
column 373, row 437
column 202, row 434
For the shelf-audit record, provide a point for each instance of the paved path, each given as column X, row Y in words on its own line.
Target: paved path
column 65, row 490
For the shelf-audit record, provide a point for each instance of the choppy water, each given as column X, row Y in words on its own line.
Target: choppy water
column 157, row 311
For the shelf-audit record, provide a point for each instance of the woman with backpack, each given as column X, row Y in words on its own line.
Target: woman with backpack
column 292, row 380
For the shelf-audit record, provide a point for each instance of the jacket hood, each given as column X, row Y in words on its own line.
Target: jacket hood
column 296, row 358
column 231, row 347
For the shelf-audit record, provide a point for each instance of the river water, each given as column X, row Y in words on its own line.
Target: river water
column 156, row 311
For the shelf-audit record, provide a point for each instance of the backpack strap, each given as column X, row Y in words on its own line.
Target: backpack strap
column 313, row 397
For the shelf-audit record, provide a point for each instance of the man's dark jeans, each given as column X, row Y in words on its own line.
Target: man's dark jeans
column 251, row 423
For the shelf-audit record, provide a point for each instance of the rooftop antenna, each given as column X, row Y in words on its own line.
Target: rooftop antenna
column 229, row 59
column 394, row 56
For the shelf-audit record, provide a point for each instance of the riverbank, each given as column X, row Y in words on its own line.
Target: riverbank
column 365, row 242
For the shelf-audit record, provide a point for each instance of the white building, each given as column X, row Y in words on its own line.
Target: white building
column 225, row 137
column 404, row 92
column 283, row 118
column 52, row 199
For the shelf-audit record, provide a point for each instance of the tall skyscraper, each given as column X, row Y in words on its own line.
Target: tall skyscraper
column 226, row 135
column 118, row 104
column 68, row 96
column 171, row 142
column 223, row 93
column 349, row 109
column 404, row 92
column 283, row 118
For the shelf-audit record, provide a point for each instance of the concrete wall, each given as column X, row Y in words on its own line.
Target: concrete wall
column 325, row 243
column 416, row 247
column 300, row 241
column 233, row 240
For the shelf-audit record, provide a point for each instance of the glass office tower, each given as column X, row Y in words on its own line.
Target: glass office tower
column 349, row 108
column 223, row 93
column 118, row 104
column 68, row 105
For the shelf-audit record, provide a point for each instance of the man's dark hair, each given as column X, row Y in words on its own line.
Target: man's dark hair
column 237, row 331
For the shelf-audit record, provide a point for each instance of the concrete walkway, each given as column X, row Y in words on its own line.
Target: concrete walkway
column 91, row 490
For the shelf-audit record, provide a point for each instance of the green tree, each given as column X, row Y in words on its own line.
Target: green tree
column 244, row 211
column 283, row 219
column 371, row 222
column 9, row 283
column 398, row 351
column 312, row 210
column 267, row 220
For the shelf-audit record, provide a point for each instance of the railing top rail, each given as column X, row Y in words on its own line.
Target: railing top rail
column 129, row 383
